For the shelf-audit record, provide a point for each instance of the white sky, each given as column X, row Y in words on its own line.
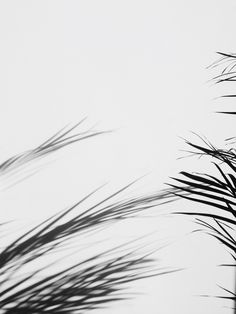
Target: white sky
column 134, row 66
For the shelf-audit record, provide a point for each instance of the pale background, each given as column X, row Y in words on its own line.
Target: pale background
column 139, row 68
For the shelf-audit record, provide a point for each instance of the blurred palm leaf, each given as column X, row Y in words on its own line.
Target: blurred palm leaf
column 88, row 284
column 64, row 137
column 37, row 273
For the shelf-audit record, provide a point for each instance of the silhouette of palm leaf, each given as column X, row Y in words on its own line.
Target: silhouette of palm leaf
column 227, row 64
column 217, row 191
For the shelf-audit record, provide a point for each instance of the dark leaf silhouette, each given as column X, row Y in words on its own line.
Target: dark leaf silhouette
column 227, row 64
column 218, row 192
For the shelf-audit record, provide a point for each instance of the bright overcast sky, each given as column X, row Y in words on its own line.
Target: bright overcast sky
column 138, row 68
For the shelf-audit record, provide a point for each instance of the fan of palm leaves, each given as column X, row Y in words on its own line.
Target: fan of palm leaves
column 217, row 191
column 36, row 274
column 84, row 285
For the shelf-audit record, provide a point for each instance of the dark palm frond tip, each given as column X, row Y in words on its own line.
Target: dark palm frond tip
column 215, row 191
column 227, row 156
column 227, row 63
column 230, row 296
column 223, row 232
column 59, row 140
column 86, row 285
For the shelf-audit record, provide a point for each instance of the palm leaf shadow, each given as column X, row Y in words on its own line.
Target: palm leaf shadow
column 30, row 283
column 85, row 285
column 67, row 136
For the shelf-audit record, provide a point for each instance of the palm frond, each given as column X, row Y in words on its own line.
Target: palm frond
column 216, row 191
column 84, row 285
column 57, row 141
column 227, row 64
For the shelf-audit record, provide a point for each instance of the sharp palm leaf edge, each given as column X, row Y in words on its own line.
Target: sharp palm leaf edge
column 219, row 190
column 83, row 285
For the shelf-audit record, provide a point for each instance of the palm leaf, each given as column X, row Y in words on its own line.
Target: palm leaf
column 36, row 272
column 61, row 139
column 85, row 285
column 227, row 64
column 218, row 192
